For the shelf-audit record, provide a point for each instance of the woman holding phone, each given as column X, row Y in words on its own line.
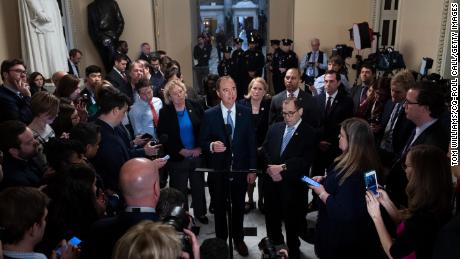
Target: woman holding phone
column 344, row 229
column 429, row 192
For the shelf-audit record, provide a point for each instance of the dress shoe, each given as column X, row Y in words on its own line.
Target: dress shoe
column 248, row 206
column 241, row 248
column 203, row 220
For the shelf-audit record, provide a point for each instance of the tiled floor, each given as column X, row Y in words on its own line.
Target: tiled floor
column 254, row 219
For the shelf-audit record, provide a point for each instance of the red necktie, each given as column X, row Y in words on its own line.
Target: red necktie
column 154, row 114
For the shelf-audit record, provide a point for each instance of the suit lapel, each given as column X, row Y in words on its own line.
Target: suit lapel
column 238, row 122
column 278, row 139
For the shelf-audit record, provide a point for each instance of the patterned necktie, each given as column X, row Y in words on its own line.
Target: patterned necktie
column 289, row 132
column 230, row 122
column 154, row 114
column 387, row 140
column 363, row 94
column 291, row 95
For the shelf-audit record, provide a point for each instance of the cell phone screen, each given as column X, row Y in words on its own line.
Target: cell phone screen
column 74, row 241
column 370, row 179
column 310, row 181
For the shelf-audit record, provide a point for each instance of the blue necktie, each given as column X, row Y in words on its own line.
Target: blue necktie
column 230, row 122
column 289, row 132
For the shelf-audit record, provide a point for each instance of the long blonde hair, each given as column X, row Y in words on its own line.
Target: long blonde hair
column 361, row 155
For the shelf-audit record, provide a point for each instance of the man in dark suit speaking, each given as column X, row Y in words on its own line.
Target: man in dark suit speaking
column 227, row 138
column 288, row 147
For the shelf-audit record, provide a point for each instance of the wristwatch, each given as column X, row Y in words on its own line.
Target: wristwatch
column 284, row 167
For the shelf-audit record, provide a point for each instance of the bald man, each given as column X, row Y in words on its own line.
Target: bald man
column 139, row 182
column 57, row 76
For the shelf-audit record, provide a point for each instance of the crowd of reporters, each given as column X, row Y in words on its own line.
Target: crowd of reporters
column 87, row 162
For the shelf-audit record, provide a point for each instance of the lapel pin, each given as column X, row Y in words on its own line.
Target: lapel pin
column 262, row 108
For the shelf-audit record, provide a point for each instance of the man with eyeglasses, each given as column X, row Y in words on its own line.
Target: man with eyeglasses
column 14, row 93
column 424, row 104
column 288, row 148
column 291, row 82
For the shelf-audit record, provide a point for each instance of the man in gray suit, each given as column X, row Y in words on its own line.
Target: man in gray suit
column 310, row 108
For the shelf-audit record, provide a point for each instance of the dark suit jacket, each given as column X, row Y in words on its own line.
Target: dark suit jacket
column 341, row 109
column 310, row 108
column 401, row 130
column 20, row 173
column 145, row 57
column 71, row 70
column 298, row 154
column 118, row 82
column 13, row 107
column 344, row 228
column 243, row 144
column 435, row 135
column 169, row 125
column 105, row 233
column 260, row 121
column 114, row 150
column 356, row 96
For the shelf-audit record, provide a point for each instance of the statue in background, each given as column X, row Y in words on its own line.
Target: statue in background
column 42, row 38
column 105, row 25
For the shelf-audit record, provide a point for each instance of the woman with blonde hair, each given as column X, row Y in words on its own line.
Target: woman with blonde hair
column 180, row 119
column 344, row 228
column 258, row 101
column 151, row 240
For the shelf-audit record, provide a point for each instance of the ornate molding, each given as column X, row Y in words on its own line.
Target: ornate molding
column 443, row 41
column 69, row 24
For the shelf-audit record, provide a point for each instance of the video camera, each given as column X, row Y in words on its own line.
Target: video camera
column 268, row 249
column 179, row 220
column 343, row 51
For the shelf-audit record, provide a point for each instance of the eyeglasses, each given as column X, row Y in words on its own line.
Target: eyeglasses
column 20, row 71
column 289, row 114
column 409, row 102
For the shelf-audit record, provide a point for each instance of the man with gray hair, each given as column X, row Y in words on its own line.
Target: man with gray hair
column 314, row 63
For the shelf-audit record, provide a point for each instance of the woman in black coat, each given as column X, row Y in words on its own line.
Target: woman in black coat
column 344, row 228
column 180, row 119
column 259, row 102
